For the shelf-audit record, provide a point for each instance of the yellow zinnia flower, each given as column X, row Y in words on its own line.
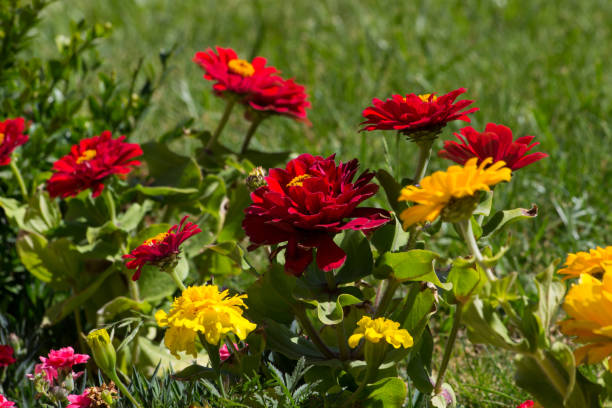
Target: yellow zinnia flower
column 589, row 305
column 451, row 192
column 205, row 310
column 380, row 329
column 591, row 262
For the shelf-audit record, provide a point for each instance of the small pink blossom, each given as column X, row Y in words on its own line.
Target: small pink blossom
column 79, row 401
column 4, row 403
column 225, row 353
column 58, row 361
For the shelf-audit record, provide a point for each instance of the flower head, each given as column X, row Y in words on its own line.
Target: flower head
column 161, row 250
column 232, row 74
column 306, row 204
column 416, row 114
column 205, row 310
column 589, row 306
column 90, row 163
column 280, row 97
column 380, row 329
column 4, row 403
column 592, row 262
column 79, row 401
column 6, row 355
column 451, row 193
column 59, row 363
column 11, row 137
column 495, row 142
column 527, row 404
column 103, row 351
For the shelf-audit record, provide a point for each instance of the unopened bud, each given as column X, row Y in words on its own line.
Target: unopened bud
column 459, row 209
column 256, row 178
column 103, row 351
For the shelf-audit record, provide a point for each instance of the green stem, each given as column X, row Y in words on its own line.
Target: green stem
column 79, row 327
column 312, row 333
column 247, row 139
column 342, row 344
column 107, row 196
column 113, row 376
column 424, row 155
column 392, row 286
column 226, row 114
column 17, row 174
column 551, row 372
column 370, row 370
column 465, row 227
column 177, row 280
column 331, row 282
column 448, row 349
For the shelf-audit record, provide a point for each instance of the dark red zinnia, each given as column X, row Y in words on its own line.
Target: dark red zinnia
column 415, row 113
column 305, row 205
column 161, row 250
column 282, row 97
column 11, row 137
column 496, row 142
column 6, row 355
column 89, row 164
column 232, row 74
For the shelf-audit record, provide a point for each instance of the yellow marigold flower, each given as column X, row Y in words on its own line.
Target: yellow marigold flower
column 591, row 262
column 205, row 310
column 451, row 193
column 380, row 329
column 589, row 305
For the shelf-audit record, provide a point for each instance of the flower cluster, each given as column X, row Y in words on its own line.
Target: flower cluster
column 205, row 310
column 95, row 397
column 90, row 163
column 451, row 193
column 4, row 403
column 11, row 137
column 306, row 204
column 6, row 355
column 592, row 262
column 59, row 363
column 375, row 330
column 161, row 250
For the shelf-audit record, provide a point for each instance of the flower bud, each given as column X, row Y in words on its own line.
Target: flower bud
column 103, row 351
column 459, row 209
column 256, row 178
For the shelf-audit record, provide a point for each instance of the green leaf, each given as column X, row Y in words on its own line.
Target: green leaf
column 279, row 338
column 414, row 265
column 550, row 296
column 265, row 159
column 419, row 365
column 221, row 259
column 169, row 169
column 359, row 260
column 503, row 218
column 232, row 227
column 270, row 297
column 158, row 354
column 164, row 190
column 155, row 284
column 195, row 372
column 129, row 220
column 392, row 190
column 467, row 280
column 40, row 214
column 386, row 393
column 119, row 305
column 331, row 312
column 484, row 206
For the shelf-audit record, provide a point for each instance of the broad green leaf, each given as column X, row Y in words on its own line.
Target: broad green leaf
column 232, row 227
column 154, row 354
column 266, row 159
column 414, row 265
column 270, row 297
column 279, row 338
column 129, row 220
column 419, row 365
column 221, row 259
column 359, row 261
column 195, row 372
column 331, row 312
column 386, row 393
column 155, row 284
column 119, row 305
column 164, row 190
column 484, row 206
column 169, row 169
column 392, row 190
column 466, row 279
column 550, row 296
column 503, row 218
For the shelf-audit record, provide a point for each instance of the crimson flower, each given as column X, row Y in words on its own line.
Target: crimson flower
column 232, row 74
column 305, row 205
column 495, row 142
column 11, row 137
column 416, row 113
column 6, row 355
column 527, row 404
column 89, row 164
column 59, row 363
column 282, row 97
column 4, row 403
column 161, row 250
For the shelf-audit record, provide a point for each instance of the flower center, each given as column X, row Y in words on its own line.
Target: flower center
column 298, row 181
column 1, row 138
column 241, row 67
column 156, row 239
column 86, row 156
column 425, row 97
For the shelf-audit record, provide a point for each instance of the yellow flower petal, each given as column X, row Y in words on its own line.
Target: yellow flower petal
column 380, row 329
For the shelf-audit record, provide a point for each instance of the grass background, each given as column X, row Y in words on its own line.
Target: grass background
column 541, row 67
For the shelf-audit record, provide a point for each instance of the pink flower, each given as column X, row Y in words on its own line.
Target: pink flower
column 527, row 404
column 224, row 353
column 79, row 401
column 59, row 360
column 4, row 403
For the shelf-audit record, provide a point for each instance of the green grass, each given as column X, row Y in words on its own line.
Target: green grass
column 540, row 67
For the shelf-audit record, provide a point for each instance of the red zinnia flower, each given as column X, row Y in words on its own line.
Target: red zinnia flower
column 416, row 113
column 11, row 137
column 283, row 97
column 89, row 164
column 496, row 142
column 527, row 404
column 161, row 250
column 6, row 355
column 231, row 73
column 306, row 204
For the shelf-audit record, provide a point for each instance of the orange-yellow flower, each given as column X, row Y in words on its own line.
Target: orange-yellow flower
column 591, row 262
column 589, row 305
column 380, row 329
column 451, row 193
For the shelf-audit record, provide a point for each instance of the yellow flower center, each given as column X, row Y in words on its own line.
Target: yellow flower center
column 86, row 156
column 425, row 97
column 298, row 181
column 156, row 239
column 1, row 138
column 241, row 67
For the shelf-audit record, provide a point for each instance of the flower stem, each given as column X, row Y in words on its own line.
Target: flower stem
column 465, row 227
column 115, row 378
column 551, row 372
column 226, row 114
column 392, row 286
column 107, row 196
column 247, row 139
column 341, row 338
column 370, row 370
column 424, row 155
column 17, row 174
column 448, row 349
column 177, row 280
column 312, row 333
